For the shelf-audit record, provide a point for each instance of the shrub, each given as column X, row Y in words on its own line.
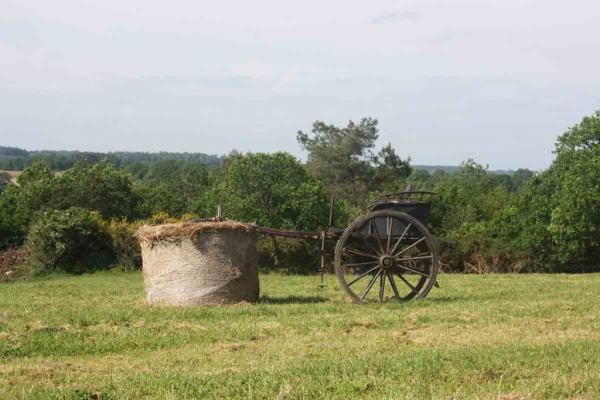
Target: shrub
column 125, row 245
column 19, row 203
column 472, row 249
column 100, row 187
column 270, row 190
column 558, row 212
column 75, row 240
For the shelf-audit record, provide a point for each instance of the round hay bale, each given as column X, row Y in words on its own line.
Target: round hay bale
column 199, row 263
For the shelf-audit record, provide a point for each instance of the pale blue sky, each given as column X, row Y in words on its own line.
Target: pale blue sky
column 496, row 81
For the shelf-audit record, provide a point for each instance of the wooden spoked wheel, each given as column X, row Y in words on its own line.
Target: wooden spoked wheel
column 386, row 255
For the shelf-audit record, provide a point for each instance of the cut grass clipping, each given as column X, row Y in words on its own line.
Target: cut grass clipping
column 479, row 337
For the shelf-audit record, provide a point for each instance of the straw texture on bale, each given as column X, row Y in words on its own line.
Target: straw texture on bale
column 199, row 263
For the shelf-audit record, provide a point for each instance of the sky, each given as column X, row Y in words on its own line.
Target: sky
column 495, row 81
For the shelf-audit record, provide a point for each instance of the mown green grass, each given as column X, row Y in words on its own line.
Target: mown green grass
column 478, row 337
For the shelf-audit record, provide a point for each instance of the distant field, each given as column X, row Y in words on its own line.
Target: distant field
column 13, row 174
column 478, row 337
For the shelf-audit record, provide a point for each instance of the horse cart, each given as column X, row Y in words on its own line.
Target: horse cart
column 386, row 254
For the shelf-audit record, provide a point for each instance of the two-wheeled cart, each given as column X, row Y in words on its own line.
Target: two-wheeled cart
column 386, row 254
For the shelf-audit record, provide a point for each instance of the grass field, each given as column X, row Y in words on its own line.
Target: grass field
column 478, row 337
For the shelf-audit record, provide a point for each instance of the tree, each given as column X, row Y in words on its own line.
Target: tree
column 420, row 179
column 389, row 168
column 186, row 181
column 4, row 180
column 18, row 203
column 462, row 215
column 558, row 212
column 581, row 137
column 99, row 187
column 464, row 196
column 271, row 190
column 172, row 186
column 575, row 216
column 155, row 198
column 137, row 170
column 340, row 158
column 520, row 178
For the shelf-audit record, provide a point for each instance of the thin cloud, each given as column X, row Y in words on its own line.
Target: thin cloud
column 391, row 18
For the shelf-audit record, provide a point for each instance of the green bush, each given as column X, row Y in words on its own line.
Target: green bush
column 100, row 187
column 19, row 203
column 472, row 248
column 270, row 190
column 558, row 212
column 75, row 240
column 125, row 245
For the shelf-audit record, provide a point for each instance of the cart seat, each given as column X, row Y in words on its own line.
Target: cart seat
column 416, row 204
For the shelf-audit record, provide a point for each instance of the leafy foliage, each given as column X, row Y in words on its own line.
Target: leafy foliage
column 18, row 203
column 124, row 244
column 484, row 221
column 271, row 190
column 4, row 180
column 12, row 158
column 520, row 178
column 175, row 187
column 389, row 168
column 99, row 187
column 463, row 212
column 74, row 240
column 559, row 211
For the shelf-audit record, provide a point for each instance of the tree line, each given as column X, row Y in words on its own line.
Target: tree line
column 484, row 222
column 16, row 159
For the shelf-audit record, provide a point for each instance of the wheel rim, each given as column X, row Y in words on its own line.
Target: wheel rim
column 386, row 255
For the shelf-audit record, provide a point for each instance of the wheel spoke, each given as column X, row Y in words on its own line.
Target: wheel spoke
column 372, row 248
column 370, row 285
column 401, row 238
column 377, row 236
column 414, row 270
column 360, row 253
column 381, row 286
column 410, row 247
column 390, row 222
column 359, row 264
column 407, row 282
column 363, row 275
column 393, row 284
column 414, row 258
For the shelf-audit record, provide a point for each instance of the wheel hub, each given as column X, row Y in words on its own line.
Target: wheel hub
column 386, row 262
